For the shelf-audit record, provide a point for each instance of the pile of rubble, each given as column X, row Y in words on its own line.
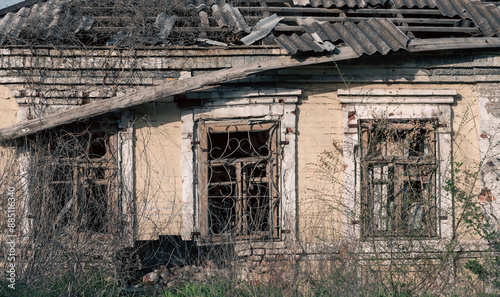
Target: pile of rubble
column 177, row 276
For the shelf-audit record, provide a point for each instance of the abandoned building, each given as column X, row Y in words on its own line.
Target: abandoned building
column 280, row 127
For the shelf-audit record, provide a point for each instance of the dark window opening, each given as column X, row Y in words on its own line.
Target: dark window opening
column 76, row 178
column 399, row 165
column 239, row 175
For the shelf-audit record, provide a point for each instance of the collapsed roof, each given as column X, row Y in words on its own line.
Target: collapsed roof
column 298, row 26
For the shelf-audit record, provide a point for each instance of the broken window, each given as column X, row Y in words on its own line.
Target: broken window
column 238, row 176
column 399, row 166
column 76, row 178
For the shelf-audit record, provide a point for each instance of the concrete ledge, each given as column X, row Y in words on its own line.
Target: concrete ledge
column 395, row 96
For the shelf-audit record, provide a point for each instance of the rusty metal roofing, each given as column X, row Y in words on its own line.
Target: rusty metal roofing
column 370, row 36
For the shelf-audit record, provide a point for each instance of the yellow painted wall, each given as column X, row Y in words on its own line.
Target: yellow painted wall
column 8, row 108
column 8, row 156
column 320, row 164
column 158, row 169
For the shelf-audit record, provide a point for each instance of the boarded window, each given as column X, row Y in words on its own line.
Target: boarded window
column 399, row 166
column 238, row 176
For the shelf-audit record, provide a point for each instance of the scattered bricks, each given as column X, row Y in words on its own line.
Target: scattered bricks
column 485, row 195
column 151, row 278
column 161, row 270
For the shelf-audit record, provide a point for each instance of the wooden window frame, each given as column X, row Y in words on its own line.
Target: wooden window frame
column 242, row 218
column 86, row 173
column 393, row 174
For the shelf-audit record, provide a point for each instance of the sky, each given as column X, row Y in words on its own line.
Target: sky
column 5, row 3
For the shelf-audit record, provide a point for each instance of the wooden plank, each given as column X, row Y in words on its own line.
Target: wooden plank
column 433, row 21
column 284, row 28
column 300, row 10
column 421, row 45
column 176, row 29
column 439, row 29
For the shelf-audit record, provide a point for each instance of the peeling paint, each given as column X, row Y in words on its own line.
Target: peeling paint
column 486, row 195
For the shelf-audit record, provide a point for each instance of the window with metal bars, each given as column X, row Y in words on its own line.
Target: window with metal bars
column 398, row 177
column 238, row 177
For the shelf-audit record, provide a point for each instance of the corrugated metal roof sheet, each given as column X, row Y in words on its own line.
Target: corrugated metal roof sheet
column 338, row 3
column 44, row 17
column 230, row 16
column 371, row 36
column 484, row 16
column 55, row 17
column 261, row 29
column 165, row 24
column 199, row 5
column 45, row 20
column 85, row 24
column 296, row 43
column 414, row 3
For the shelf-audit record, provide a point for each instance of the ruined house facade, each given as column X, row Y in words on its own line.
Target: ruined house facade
column 292, row 126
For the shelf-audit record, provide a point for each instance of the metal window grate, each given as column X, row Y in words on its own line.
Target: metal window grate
column 239, row 181
column 399, row 166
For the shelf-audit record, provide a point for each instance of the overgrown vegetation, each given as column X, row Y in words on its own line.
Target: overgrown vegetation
column 76, row 243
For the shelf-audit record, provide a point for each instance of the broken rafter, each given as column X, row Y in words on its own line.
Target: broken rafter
column 172, row 88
